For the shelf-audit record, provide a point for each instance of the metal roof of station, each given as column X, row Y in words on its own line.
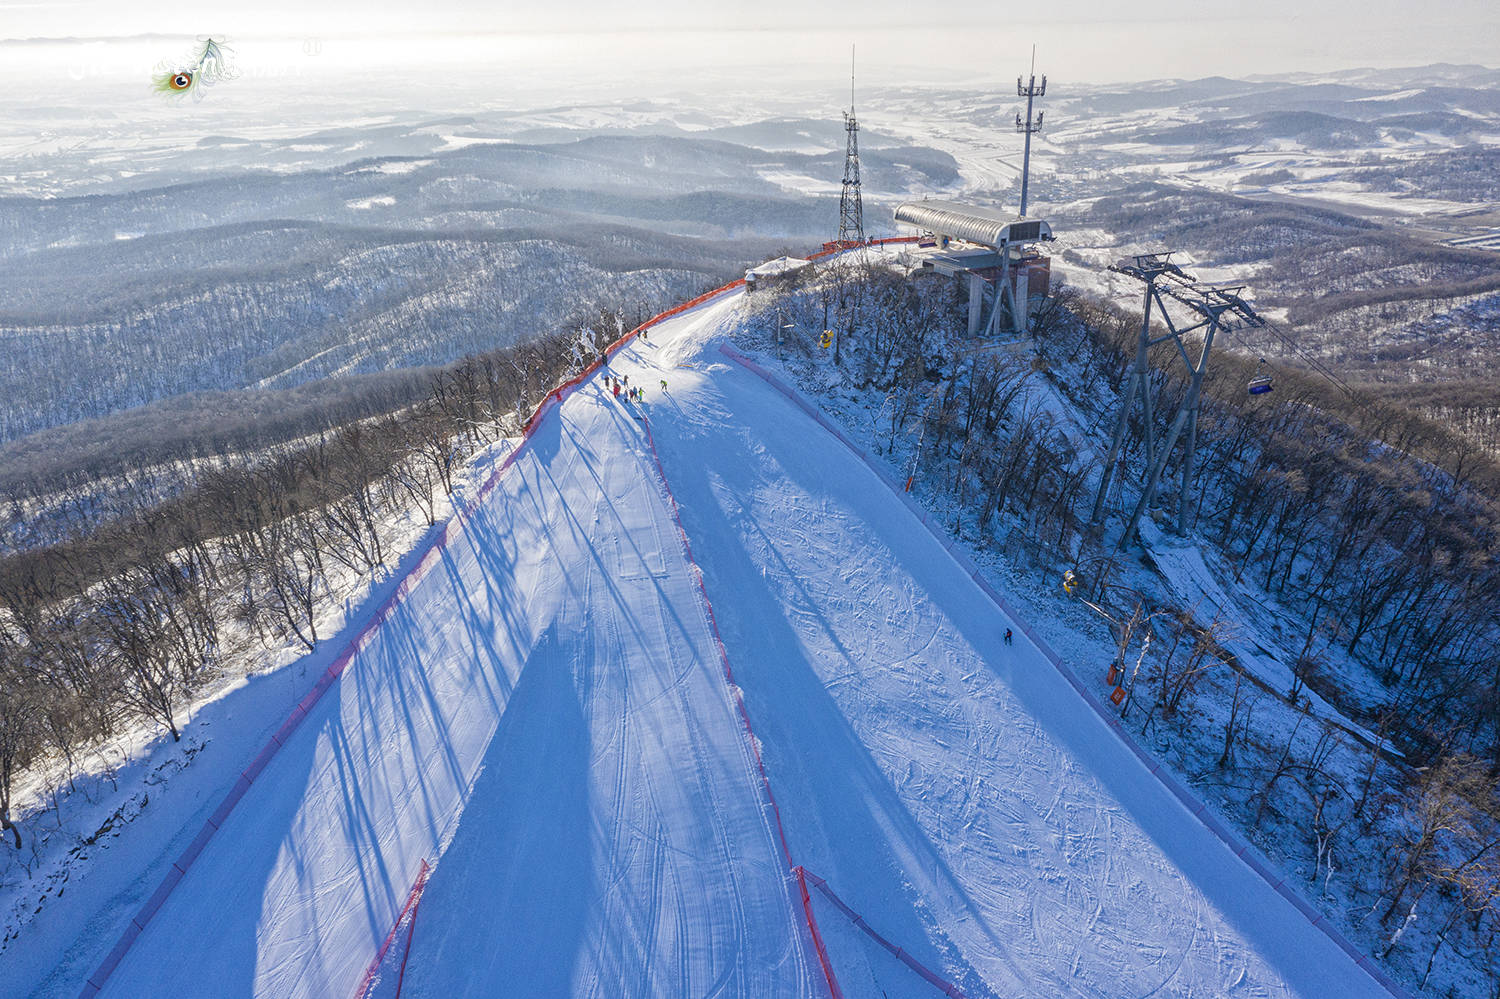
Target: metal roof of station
column 971, row 223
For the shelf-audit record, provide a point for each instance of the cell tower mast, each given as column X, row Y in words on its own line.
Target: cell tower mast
column 851, row 209
column 1029, row 90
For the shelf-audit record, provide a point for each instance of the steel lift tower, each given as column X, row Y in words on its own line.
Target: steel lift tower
column 1030, row 126
column 1215, row 309
column 851, row 209
column 1146, row 268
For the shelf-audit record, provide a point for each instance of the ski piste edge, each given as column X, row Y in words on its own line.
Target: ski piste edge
column 424, row 558
column 1199, row 810
column 407, row 915
column 793, row 871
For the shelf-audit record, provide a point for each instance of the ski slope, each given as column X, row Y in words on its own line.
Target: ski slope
column 546, row 710
column 545, row 716
column 953, row 790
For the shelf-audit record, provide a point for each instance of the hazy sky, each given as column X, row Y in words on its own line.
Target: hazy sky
column 24, row 18
column 900, row 42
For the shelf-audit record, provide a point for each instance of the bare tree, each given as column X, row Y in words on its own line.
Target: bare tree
column 20, row 734
column 130, row 624
column 1441, row 801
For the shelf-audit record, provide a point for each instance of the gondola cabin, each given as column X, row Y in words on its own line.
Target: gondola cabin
column 1260, row 380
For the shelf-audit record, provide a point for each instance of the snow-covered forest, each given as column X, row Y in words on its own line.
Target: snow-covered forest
column 1319, row 658
column 241, row 389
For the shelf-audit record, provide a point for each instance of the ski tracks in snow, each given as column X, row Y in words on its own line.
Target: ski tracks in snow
column 687, row 894
column 954, row 790
column 547, row 713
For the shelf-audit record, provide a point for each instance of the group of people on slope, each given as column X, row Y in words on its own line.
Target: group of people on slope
column 631, row 394
column 622, row 384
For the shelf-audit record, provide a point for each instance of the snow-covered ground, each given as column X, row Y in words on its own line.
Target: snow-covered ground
column 545, row 695
column 95, row 824
column 544, row 716
column 954, row 790
column 1182, row 566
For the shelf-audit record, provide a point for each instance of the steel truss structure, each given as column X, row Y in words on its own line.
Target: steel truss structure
column 851, row 208
column 1213, row 309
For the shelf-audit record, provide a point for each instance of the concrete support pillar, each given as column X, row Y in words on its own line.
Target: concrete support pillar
column 976, row 302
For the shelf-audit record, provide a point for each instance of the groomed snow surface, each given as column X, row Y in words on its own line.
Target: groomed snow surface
column 545, row 718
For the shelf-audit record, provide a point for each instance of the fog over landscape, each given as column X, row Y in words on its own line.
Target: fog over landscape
column 358, row 151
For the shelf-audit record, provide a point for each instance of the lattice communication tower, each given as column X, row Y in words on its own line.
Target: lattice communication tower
column 851, row 208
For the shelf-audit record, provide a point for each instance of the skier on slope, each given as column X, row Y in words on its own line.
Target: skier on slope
column 616, row 387
column 663, row 384
column 1007, row 636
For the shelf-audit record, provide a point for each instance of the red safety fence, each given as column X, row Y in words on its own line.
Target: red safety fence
column 944, row 986
column 408, row 918
column 738, row 697
column 831, row 250
column 427, row 555
column 557, row 394
column 1236, row 844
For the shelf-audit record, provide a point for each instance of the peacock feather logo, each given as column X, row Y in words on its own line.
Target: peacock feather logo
column 201, row 68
